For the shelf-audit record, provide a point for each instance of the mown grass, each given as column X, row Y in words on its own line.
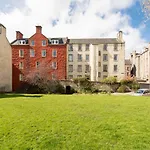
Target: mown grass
column 74, row 122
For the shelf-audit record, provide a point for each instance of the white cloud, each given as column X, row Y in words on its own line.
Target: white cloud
column 89, row 18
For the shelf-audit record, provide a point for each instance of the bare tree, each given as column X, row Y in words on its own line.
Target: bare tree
column 146, row 8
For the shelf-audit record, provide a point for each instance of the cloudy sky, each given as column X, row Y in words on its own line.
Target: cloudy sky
column 77, row 18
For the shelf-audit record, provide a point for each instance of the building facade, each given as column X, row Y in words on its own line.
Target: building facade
column 128, row 66
column 141, row 64
column 5, row 62
column 38, row 52
column 96, row 59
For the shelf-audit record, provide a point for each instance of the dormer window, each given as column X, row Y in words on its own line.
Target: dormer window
column 55, row 41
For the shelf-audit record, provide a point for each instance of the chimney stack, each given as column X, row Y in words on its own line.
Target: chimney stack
column 38, row 29
column 19, row 35
column 120, row 36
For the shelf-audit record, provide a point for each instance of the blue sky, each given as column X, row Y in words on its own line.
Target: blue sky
column 138, row 19
column 78, row 19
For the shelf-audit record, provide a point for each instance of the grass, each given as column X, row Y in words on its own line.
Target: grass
column 75, row 122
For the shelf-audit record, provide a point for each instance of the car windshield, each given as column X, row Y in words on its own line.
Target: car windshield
column 140, row 91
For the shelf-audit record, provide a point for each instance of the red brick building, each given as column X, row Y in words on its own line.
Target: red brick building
column 29, row 53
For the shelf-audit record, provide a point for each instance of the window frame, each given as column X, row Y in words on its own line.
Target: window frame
column 44, row 50
column 21, row 53
column 54, row 50
column 70, row 57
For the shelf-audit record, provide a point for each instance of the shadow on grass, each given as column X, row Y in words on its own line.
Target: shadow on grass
column 19, row 95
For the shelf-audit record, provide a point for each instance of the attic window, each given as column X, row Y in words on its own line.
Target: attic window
column 55, row 42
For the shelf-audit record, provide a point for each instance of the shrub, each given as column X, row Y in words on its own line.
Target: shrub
column 135, row 86
column 109, row 80
column 83, row 84
column 123, row 89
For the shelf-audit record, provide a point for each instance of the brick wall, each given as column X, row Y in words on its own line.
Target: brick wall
column 30, row 62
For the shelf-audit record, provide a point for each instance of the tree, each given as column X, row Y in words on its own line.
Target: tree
column 146, row 8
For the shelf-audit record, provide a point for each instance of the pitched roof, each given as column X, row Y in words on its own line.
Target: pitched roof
column 128, row 62
column 2, row 25
column 95, row 41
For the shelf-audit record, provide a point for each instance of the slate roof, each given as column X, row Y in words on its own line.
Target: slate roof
column 95, row 41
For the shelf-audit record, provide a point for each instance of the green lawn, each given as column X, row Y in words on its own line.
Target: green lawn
column 74, row 122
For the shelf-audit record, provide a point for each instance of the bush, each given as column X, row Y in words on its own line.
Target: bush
column 135, row 86
column 42, row 88
column 109, row 80
column 83, row 84
column 123, row 89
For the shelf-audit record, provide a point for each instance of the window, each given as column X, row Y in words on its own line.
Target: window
column 128, row 68
column 70, row 68
column 79, row 68
column 115, row 57
column 21, row 53
column 87, row 57
column 32, row 53
column 43, row 53
column 105, row 68
column 53, row 76
column 105, row 47
column 20, row 65
column 20, row 77
column 99, row 64
column 80, row 47
column 87, row 47
column 99, row 53
column 105, row 57
column 87, row 68
column 44, row 43
column 70, row 76
column 99, row 74
column 115, row 47
column 115, row 68
column 37, row 64
column 54, row 65
column 70, row 57
column 54, row 53
column 32, row 43
column 70, row 47
column 128, row 74
column 79, row 57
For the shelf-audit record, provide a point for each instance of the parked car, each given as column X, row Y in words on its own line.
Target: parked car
column 142, row 92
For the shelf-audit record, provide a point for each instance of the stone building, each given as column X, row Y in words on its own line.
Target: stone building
column 5, row 62
column 97, row 58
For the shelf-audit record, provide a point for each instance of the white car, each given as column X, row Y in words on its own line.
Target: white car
column 142, row 92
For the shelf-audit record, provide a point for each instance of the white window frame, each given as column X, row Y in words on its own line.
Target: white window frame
column 32, row 43
column 21, row 65
column 70, row 56
column 43, row 52
column 54, row 65
column 54, row 50
column 21, row 53
column 32, row 50
column 20, row 77
column 43, row 44
column 37, row 64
